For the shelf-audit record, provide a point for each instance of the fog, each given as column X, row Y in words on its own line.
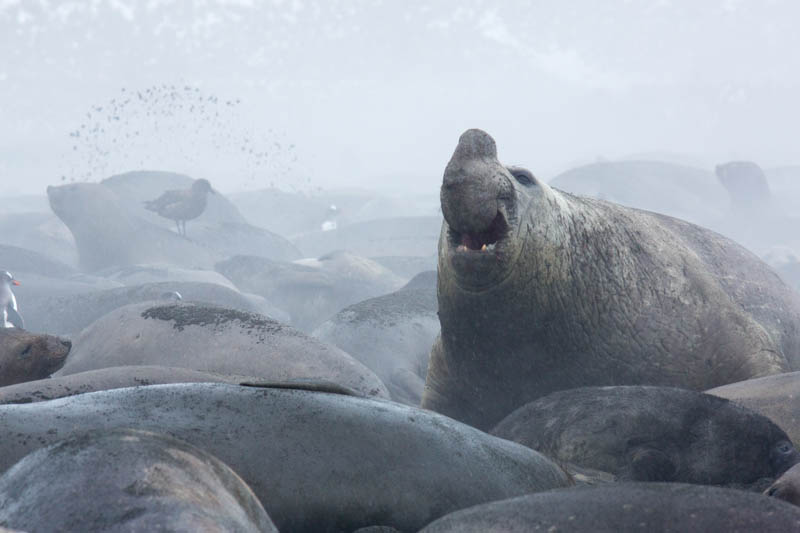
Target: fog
column 373, row 94
column 422, row 265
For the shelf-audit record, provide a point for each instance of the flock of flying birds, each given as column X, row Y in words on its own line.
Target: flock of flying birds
column 179, row 128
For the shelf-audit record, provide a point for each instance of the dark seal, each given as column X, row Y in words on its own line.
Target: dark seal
column 654, row 434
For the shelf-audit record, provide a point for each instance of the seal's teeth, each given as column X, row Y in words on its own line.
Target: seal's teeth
column 490, row 248
column 461, row 248
column 483, row 248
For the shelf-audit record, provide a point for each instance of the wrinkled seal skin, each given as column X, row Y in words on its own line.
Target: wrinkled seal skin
column 787, row 487
column 26, row 356
column 127, row 480
column 580, row 292
column 656, row 507
column 654, row 434
column 317, row 461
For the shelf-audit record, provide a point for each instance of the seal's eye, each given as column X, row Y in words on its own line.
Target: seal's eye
column 522, row 175
column 784, row 447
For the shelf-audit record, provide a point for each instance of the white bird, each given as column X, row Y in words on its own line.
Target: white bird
column 8, row 302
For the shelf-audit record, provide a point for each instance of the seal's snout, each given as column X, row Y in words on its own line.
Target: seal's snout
column 476, row 143
column 475, row 189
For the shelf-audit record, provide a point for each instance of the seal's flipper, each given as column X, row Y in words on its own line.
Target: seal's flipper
column 15, row 318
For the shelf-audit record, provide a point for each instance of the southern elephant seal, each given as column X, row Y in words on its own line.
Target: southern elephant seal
column 221, row 227
column 654, row 434
column 317, row 461
column 652, row 507
column 107, row 235
column 776, row 397
column 392, row 335
column 117, row 377
column 540, row 290
column 311, row 290
column 69, row 314
column 787, row 487
column 127, row 480
column 26, row 356
column 214, row 339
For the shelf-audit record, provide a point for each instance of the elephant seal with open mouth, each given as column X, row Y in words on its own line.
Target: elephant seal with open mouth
column 540, row 290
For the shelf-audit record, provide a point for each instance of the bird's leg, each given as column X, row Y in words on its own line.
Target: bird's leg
column 178, row 225
column 183, row 223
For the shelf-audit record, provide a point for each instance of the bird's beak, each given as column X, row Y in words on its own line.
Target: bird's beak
column 15, row 282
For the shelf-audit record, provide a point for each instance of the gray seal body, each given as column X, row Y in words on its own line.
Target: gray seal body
column 654, row 434
column 656, row 507
column 127, row 480
column 214, row 339
column 540, row 290
column 317, row 461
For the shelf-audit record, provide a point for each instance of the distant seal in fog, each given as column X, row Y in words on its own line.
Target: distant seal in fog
column 311, row 290
column 319, row 462
column 654, row 434
column 656, row 507
column 26, row 356
column 214, row 339
column 69, row 314
column 127, row 480
column 540, row 290
column 107, row 235
column 392, row 335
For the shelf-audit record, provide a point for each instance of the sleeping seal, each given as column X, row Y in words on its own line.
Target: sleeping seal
column 651, row 507
column 318, row 461
column 540, row 290
column 127, row 480
column 654, row 434
column 214, row 339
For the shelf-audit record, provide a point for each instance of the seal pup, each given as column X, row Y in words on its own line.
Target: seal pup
column 654, row 434
column 8, row 302
column 26, row 356
column 540, row 291
column 127, row 480
column 181, row 205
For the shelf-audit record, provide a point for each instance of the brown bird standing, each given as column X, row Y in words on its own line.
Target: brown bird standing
column 181, row 205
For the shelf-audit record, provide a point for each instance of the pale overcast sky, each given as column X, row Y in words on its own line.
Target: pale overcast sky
column 368, row 93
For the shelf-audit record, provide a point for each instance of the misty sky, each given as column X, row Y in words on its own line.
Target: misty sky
column 367, row 93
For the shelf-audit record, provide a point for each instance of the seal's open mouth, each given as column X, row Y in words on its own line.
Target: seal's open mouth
column 483, row 241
